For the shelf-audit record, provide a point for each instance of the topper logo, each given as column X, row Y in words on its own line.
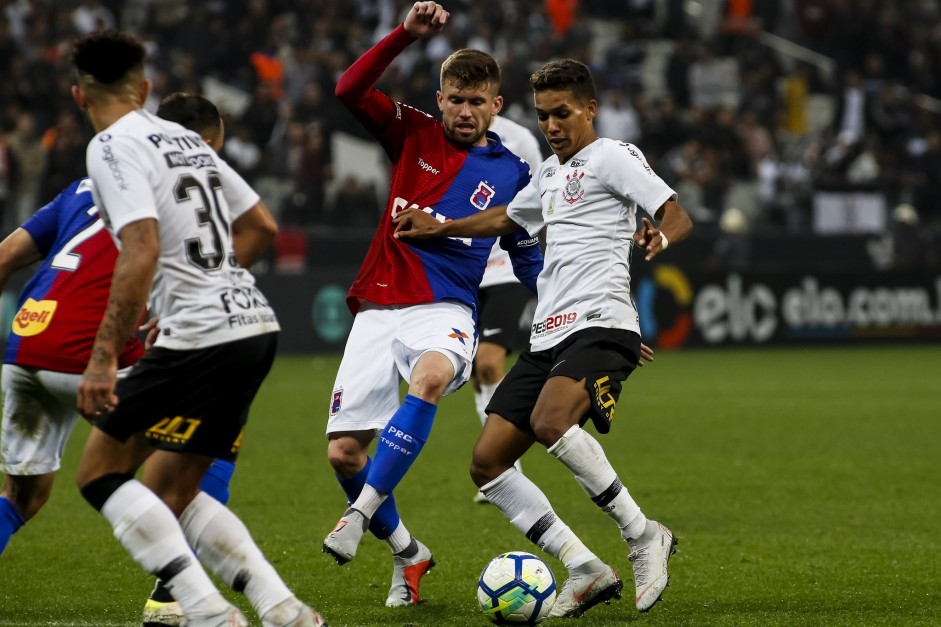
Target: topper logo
column 427, row 167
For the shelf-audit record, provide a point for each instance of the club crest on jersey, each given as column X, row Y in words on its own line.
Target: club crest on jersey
column 482, row 196
column 573, row 191
column 34, row 317
column 337, row 402
column 458, row 335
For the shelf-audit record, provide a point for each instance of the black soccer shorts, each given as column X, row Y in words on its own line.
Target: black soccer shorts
column 192, row 401
column 603, row 357
column 501, row 318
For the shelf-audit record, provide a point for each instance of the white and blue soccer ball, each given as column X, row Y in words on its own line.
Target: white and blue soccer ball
column 516, row 588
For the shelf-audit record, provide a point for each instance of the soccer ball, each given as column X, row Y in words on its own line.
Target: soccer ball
column 516, row 588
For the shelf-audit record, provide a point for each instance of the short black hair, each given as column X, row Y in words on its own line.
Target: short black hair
column 191, row 111
column 108, row 55
column 565, row 75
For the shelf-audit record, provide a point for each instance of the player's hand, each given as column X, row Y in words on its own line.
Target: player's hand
column 646, row 354
column 152, row 330
column 425, row 19
column 415, row 224
column 648, row 238
column 96, row 395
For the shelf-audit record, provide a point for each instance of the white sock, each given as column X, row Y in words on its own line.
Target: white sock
column 583, row 455
column 482, row 398
column 400, row 539
column 369, row 500
column 224, row 544
column 524, row 504
column 151, row 534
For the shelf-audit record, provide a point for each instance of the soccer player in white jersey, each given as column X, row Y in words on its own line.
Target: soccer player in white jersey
column 504, row 301
column 159, row 188
column 585, row 337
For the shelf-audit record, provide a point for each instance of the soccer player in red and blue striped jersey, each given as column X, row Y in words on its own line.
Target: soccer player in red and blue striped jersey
column 415, row 304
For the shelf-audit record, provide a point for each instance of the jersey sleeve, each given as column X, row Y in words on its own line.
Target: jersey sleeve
column 356, row 90
column 624, row 171
column 239, row 195
column 43, row 226
column 525, row 255
column 526, row 208
column 118, row 169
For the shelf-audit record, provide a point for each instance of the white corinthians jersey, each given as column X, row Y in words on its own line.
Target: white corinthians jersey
column 524, row 145
column 145, row 167
column 588, row 206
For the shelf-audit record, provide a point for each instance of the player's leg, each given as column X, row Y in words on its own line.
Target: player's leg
column 146, row 527
column 399, row 444
column 160, row 609
column 587, row 382
column 38, row 418
column 365, row 396
column 507, row 435
column 217, row 384
column 433, row 350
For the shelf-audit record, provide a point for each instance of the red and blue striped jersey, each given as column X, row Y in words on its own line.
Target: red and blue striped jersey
column 445, row 179
column 62, row 304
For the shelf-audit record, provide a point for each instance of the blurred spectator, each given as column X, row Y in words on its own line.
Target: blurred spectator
column 732, row 247
column 64, row 161
column 617, row 119
column 241, row 151
column 26, row 151
column 355, row 203
column 911, row 247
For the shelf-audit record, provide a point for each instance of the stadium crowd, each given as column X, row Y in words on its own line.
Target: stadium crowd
column 729, row 120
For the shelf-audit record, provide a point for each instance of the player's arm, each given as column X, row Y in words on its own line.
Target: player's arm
column 17, row 251
column 675, row 226
column 356, row 86
column 130, row 287
column 416, row 224
column 525, row 255
column 252, row 233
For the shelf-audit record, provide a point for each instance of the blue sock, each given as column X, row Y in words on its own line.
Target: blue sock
column 386, row 518
column 216, row 481
column 10, row 521
column 401, row 442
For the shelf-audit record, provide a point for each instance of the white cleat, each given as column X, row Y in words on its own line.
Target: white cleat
column 230, row 617
column 306, row 617
column 650, row 555
column 343, row 541
column 406, row 576
column 584, row 590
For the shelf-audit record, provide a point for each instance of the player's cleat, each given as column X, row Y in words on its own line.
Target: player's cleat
column 650, row 555
column 230, row 617
column 406, row 575
column 343, row 541
column 161, row 610
column 480, row 498
column 584, row 590
column 306, row 617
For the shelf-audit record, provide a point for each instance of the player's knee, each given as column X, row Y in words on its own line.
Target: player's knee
column 346, row 457
column 488, row 372
column 485, row 468
column 98, row 490
column 548, row 427
column 27, row 497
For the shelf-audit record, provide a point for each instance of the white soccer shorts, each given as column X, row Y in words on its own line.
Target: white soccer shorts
column 39, row 413
column 383, row 347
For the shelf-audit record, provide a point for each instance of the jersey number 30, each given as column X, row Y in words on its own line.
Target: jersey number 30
column 207, row 214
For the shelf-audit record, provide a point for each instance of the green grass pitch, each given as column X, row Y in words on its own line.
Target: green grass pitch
column 804, row 485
